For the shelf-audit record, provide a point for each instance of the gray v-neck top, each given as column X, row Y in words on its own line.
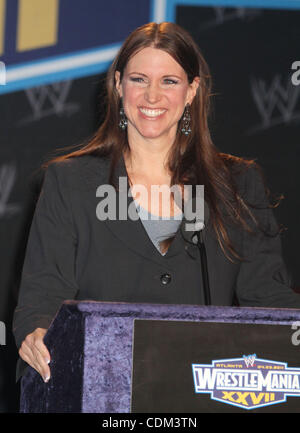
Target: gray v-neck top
column 157, row 227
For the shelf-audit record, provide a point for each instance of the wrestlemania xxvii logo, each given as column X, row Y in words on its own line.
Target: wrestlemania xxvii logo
column 247, row 382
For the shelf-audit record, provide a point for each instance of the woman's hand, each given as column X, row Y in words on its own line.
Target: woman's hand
column 35, row 353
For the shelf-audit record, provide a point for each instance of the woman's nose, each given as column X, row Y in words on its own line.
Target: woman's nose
column 152, row 93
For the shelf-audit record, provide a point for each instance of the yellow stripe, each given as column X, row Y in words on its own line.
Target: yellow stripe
column 37, row 24
column 2, row 26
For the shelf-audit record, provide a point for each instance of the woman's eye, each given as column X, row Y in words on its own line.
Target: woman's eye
column 170, row 81
column 137, row 79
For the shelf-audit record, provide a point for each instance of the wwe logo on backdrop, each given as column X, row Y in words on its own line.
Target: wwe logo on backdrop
column 50, row 100
column 249, row 360
column 223, row 14
column 7, row 180
column 276, row 102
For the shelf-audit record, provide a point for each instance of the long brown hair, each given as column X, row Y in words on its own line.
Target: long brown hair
column 193, row 159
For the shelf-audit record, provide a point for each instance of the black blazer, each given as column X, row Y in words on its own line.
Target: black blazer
column 71, row 254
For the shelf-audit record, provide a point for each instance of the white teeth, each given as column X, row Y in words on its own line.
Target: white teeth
column 152, row 113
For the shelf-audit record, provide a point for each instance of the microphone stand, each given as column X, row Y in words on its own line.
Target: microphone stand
column 203, row 258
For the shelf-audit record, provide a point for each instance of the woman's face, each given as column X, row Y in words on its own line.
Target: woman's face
column 155, row 91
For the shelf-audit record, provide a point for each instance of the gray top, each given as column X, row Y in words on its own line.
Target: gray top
column 157, row 227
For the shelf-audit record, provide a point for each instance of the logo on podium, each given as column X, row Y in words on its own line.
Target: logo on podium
column 247, row 382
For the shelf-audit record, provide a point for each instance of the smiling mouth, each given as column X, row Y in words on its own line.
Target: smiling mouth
column 152, row 113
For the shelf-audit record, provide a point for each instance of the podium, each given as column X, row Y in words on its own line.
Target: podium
column 120, row 358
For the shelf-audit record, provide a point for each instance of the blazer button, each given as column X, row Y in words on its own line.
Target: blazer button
column 165, row 279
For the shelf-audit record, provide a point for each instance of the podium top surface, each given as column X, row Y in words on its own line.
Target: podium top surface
column 184, row 312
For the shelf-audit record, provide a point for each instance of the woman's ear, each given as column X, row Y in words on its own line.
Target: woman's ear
column 118, row 83
column 193, row 89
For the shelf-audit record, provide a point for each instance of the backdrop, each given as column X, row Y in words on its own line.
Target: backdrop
column 53, row 58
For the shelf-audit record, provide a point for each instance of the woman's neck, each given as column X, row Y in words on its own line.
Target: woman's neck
column 147, row 156
column 151, row 168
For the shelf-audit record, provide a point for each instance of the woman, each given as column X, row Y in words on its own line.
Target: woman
column 155, row 133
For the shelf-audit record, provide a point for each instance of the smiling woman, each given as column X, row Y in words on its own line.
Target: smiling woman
column 155, row 133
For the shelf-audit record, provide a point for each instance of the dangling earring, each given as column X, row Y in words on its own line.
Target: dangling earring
column 186, row 121
column 123, row 118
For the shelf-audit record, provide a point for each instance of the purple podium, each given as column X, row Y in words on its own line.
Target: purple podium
column 91, row 347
